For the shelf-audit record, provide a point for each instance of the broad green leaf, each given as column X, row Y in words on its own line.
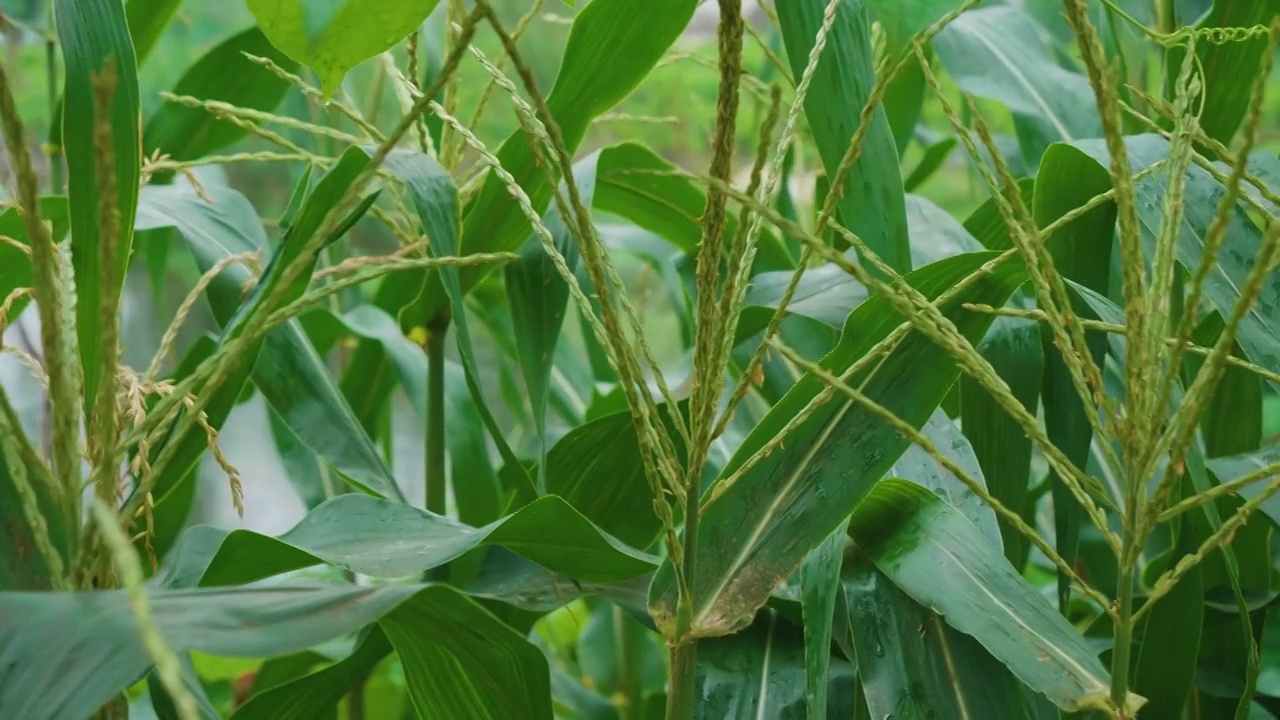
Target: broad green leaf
column 759, row 673
column 435, row 198
column 1002, row 448
column 872, row 203
column 756, row 531
column 999, row 53
column 911, row 662
column 1228, row 69
column 1067, row 181
column 288, row 371
column 1232, row 467
column 15, row 265
column 147, row 21
column 94, row 34
column 386, row 539
column 83, row 648
column 964, row 676
column 598, row 469
column 333, row 36
column 936, row 556
column 819, row 588
column 23, row 565
column 903, row 19
column 223, row 74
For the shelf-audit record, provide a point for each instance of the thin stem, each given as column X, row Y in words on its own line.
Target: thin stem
column 435, row 426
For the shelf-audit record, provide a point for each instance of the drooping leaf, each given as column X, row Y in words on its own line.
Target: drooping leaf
column 757, row 530
column 871, row 203
column 381, row 538
column 288, row 371
column 999, row 53
column 83, row 648
column 932, row 553
column 333, row 36
column 223, row 74
column 94, row 34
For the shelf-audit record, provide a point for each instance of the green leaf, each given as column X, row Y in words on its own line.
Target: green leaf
column 986, row 224
column 93, row 34
column 333, row 36
column 1170, row 637
column 435, row 198
column 932, row 160
column 756, row 531
column 289, row 373
column 1232, row 422
column 1003, row 450
column 311, row 695
column 632, row 182
column 223, row 74
column 83, row 648
column 911, row 662
column 147, row 22
column 23, row 564
column 932, row 553
column 819, row 587
column 904, row 99
column 538, row 298
column 759, row 673
column 598, row 469
column 1259, row 335
column 999, row 53
column 612, row 46
column 872, row 203
column 619, row 654
column 385, row 539
column 1067, row 180
column 15, row 265
column 1228, row 69
column 903, row 19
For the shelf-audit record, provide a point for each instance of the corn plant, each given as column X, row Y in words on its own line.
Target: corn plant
column 772, row 435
